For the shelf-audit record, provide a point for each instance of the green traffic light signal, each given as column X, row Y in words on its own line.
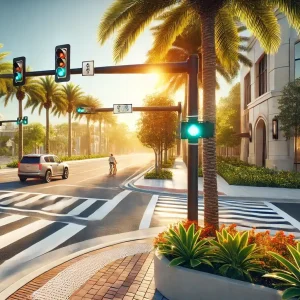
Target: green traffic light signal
column 62, row 63
column 80, row 110
column 25, row 120
column 19, row 71
column 19, row 121
column 194, row 130
column 61, row 72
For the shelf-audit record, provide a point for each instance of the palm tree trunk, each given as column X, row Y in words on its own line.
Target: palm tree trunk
column 20, row 154
column 88, row 137
column 47, row 131
column 210, row 191
column 70, row 136
column 100, row 135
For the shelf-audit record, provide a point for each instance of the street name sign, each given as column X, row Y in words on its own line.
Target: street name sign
column 88, row 68
column 122, row 108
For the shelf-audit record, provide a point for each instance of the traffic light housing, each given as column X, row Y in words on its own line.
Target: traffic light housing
column 62, row 63
column 85, row 110
column 19, row 121
column 194, row 130
column 25, row 120
column 19, row 71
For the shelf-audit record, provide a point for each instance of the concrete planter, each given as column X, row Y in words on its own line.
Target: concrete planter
column 178, row 283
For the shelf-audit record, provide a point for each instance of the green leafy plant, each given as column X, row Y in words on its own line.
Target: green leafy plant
column 290, row 275
column 13, row 164
column 184, row 246
column 234, row 257
column 163, row 174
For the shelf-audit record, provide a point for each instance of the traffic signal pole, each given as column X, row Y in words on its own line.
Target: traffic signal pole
column 193, row 66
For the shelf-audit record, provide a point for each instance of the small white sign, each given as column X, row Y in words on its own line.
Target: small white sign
column 122, row 108
column 88, row 68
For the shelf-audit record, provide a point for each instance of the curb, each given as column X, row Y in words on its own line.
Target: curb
column 145, row 233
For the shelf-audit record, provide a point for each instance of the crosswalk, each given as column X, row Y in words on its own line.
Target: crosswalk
column 57, row 205
column 245, row 215
column 23, row 238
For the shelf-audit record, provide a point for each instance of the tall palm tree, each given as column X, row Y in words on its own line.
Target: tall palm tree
column 52, row 94
column 5, row 67
column 188, row 43
column 93, row 102
column 30, row 90
column 72, row 95
column 218, row 31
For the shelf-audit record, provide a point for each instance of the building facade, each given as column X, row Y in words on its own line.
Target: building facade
column 261, row 87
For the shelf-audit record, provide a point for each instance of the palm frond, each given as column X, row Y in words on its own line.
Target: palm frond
column 244, row 60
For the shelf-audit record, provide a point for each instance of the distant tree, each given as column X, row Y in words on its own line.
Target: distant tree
column 33, row 137
column 229, row 118
column 289, row 116
column 4, row 150
column 157, row 130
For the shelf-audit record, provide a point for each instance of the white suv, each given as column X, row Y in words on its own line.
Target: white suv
column 42, row 166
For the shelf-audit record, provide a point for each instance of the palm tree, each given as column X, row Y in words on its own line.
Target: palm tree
column 186, row 44
column 93, row 102
column 218, row 31
column 72, row 95
column 52, row 94
column 5, row 67
column 32, row 91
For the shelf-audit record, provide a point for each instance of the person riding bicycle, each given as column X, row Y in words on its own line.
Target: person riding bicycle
column 112, row 164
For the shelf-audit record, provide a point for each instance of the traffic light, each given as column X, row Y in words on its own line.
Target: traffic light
column 194, row 130
column 85, row 110
column 19, row 71
column 62, row 63
column 25, row 120
column 19, row 121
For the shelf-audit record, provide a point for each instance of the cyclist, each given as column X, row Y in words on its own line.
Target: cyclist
column 112, row 164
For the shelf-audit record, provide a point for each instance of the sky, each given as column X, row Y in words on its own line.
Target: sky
column 33, row 28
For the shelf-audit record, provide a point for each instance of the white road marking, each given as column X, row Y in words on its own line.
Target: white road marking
column 8, row 195
column 61, row 204
column 80, row 208
column 11, row 219
column 284, row 215
column 14, row 199
column 15, row 235
column 146, row 220
column 30, row 200
column 84, row 186
column 47, row 244
column 107, row 207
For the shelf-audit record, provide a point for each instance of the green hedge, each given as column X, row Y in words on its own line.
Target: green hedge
column 14, row 164
column 163, row 174
column 236, row 172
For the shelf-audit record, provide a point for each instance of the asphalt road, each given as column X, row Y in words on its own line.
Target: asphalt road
column 37, row 217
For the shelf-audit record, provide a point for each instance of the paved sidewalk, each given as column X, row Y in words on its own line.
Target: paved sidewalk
column 179, row 185
column 126, row 277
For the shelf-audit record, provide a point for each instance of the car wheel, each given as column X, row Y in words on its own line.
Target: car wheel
column 65, row 174
column 22, row 178
column 47, row 177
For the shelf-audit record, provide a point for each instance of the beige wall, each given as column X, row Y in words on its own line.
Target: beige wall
column 280, row 70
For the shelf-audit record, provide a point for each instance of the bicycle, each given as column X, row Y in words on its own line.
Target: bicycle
column 111, row 168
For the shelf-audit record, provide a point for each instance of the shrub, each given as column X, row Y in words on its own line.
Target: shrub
column 200, row 172
column 184, row 247
column 240, row 173
column 13, row 164
column 290, row 275
column 234, row 257
column 81, row 157
column 163, row 174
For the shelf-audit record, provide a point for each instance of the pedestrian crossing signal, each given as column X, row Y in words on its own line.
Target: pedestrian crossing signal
column 19, row 71
column 62, row 63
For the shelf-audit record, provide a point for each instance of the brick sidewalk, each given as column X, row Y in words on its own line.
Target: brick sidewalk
column 129, row 278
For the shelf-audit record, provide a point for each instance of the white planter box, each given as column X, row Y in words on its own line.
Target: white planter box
column 178, row 283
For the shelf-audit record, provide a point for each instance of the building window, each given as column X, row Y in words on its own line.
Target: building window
column 247, row 90
column 297, row 60
column 262, row 76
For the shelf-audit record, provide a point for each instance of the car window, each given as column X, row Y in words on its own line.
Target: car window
column 30, row 160
column 56, row 159
column 51, row 158
column 46, row 158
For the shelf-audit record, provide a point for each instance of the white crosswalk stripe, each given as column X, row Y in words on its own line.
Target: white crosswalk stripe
column 245, row 214
column 53, row 204
column 35, row 237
